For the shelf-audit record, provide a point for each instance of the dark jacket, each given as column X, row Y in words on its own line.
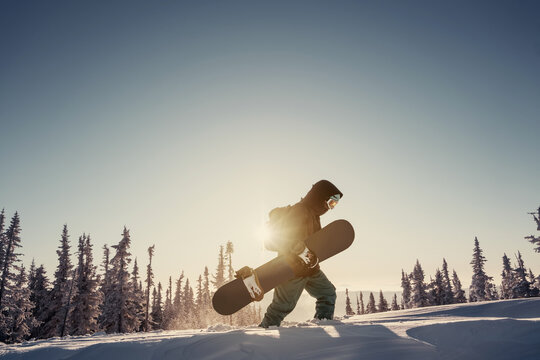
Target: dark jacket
column 299, row 223
column 303, row 219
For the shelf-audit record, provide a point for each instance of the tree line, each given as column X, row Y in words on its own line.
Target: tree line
column 443, row 289
column 81, row 300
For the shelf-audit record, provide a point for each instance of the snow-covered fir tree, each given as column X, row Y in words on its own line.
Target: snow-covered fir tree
column 21, row 319
column 383, row 304
column 348, row 307
column 178, row 299
column 535, row 240
column 437, row 290
column 9, row 276
column 492, row 291
column 139, row 295
column 199, row 303
column 371, row 308
column 188, row 308
column 54, row 318
column 10, row 264
column 149, row 283
column 106, row 280
column 84, row 316
column 448, row 297
column 459, row 293
column 535, row 288
column 38, row 285
column 119, row 309
column 507, row 276
column 521, row 286
column 360, row 310
column 157, row 308
column 219, row 277
column 229, row 250
column 206, row 287
column 2, row 239
column 481, row 288
column 419, row 296
column 168, row 310
column 406, row 293
column 394, row 305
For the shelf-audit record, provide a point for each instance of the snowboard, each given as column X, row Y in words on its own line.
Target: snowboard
column 327, row 242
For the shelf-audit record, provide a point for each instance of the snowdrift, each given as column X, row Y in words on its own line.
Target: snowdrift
column 508, row 329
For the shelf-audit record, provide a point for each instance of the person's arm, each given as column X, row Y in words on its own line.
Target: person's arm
column 295, row 230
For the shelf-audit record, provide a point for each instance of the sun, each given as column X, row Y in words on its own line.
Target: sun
column 262, row 233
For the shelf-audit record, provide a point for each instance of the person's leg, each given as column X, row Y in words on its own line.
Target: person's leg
column 285, row 298
column 324, row 291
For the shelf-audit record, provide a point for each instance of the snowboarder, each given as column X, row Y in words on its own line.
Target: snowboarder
column 300, row 221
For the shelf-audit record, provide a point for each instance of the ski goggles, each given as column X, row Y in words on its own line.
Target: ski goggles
column 332, row 202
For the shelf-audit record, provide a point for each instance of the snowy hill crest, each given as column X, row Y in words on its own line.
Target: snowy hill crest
column 492, row 330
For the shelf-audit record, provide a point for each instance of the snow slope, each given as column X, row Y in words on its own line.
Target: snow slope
column 507, row 329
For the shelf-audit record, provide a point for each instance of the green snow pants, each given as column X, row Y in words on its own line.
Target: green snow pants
column 286, row 296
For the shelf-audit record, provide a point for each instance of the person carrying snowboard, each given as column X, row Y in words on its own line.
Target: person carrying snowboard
column 292, row 225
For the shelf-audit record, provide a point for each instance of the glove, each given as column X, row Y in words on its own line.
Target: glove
column 303, row 263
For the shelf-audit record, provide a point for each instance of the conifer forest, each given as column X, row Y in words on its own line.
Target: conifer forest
column 120, row 295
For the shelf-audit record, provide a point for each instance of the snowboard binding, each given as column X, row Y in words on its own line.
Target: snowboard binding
column 309, row 258
column 251, row 281
column 302, row 263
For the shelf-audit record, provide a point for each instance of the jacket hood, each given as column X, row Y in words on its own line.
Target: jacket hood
column 320, row 192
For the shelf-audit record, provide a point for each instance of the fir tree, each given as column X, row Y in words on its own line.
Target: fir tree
column 535, row 290
column 8, row 277
column 139, row 296
column 119, row 309
column 348, row 308
column 58, row 298
column 521, row 287
column 480, row 289
column 168, row 311
column 406, row 294
column 87, row 297
column 419, row 297
column 507, row 279
column 178, row 302
column 448, row 297
column 20, row 310
column 228, row 254
column 67, row 307
column 206, row 287
column 362, row 308
column 535, row 240
column 39, row 290
column 152, row 324
column 532, row 278
column 157, row 308
column 105, row 264
column 459, row 294
column 371, row 308
column 200, row 293
column 437, row 289
column 149, row 284
column 189, row 305
column 2, row 240
column 383, row 304
column 219, row 278
column 10, row 267
column 395, row 305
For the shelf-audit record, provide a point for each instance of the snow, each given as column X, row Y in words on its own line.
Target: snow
column 506, row 329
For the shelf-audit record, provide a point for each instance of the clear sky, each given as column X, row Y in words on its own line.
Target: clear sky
column 188, row 121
